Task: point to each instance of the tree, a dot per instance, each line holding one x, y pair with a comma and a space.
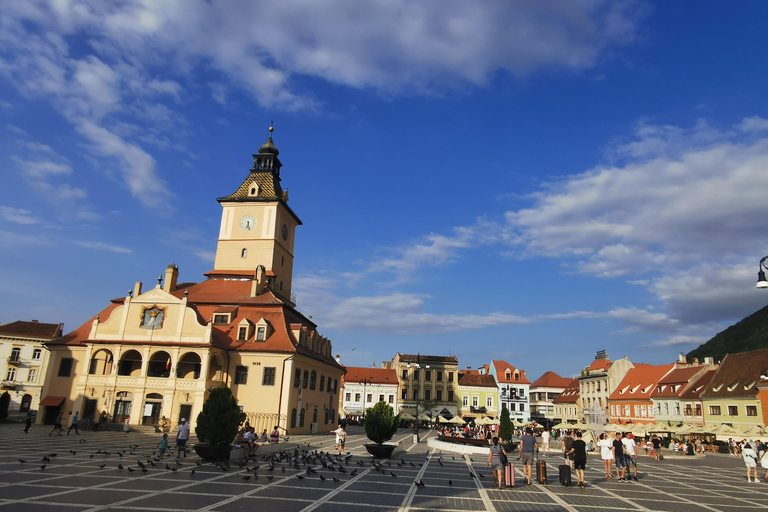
505, 424
220, 419
381, 423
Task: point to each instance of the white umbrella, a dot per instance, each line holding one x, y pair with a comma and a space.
407, 417
424, 417
486, 421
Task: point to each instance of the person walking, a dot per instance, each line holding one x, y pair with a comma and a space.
579, 452
73, 423
126, 425
341, 436
630, 453
27, 422
494, 456
181, 438
606, 454
750, 460
545, 442
656, 447
567, 445
162, 446
57, 424
528, 448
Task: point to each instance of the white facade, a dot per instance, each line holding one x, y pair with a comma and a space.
357, 396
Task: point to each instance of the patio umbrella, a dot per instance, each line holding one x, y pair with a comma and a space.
560, 426
455, 420
407, 417
424, 417
752, 431
725, 430
486, 421
660, 427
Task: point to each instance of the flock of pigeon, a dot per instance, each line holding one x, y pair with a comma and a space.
304, 461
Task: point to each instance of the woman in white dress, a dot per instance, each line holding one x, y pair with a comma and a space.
750, 459
606, 454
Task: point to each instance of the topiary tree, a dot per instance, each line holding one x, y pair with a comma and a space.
220, 419
505, 424
381, 423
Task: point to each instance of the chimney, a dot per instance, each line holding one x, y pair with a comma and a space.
137, 289
338, 358
695, 360
709, 361
682, 359
259, 281
171, 276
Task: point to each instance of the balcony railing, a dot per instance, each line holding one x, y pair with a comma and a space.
14, 360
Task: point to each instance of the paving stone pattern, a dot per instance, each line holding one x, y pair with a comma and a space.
74, 480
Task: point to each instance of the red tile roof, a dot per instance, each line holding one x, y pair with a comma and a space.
31, 329
600, 364
570, 394
477, 380
357, 374
501, 369
697, 388
738, 375
551, 380
640, 382
425, 359
676, 382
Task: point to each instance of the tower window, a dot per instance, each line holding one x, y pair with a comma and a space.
244, 253
253, 191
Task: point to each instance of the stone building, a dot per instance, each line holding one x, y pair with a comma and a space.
24, 360
363, 388
428, 384
156, 353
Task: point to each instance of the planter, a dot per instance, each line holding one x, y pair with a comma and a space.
381, 451
213, 452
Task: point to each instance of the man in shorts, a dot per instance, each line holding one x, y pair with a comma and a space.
528, 447
579, 452
181, 438
341, 436
656, 447
630, 449
618, 458
545, 442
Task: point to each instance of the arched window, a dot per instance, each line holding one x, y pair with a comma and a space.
313, 380
314, 416
130, 364
159, 365
244, 253
301, 418
188, 366
293, 418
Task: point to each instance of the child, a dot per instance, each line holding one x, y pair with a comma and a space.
163, 445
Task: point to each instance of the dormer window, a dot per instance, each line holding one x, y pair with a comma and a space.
261, 333
717, 388
254, 191
221, 319
263, 330
508, 375
517, 375
244, 330
732, 386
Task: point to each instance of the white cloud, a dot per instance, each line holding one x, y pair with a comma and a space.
753, 124
17, 215
41, 169
99, 246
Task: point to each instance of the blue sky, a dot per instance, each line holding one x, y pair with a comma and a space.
529, 181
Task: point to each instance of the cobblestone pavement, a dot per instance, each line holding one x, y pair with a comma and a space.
82, 477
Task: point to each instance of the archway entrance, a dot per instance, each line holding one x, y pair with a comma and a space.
123, 403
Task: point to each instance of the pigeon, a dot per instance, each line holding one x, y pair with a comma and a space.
271, 468
419, 483
22, 461
283, 469
178, 463
192, 472
353, 472
53, 454
120, 466
45, 459
42, 467
91, 455
131, 470
481, 475
174, 469
322, 478
144, 470
119, 454
300, 477
450, 482
336, 480
413, 465
270, 477
472, 475
102, 466
393, 475
167, 467
438, 461
247, 477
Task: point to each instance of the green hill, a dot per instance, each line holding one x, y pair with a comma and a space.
751, 333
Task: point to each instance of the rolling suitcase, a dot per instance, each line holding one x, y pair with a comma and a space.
509, 475
541, 471
565, 475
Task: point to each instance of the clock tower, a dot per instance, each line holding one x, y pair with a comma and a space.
258, 227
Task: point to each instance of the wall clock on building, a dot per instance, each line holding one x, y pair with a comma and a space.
285, 232
248, 222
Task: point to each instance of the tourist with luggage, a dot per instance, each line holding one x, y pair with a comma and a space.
495, 460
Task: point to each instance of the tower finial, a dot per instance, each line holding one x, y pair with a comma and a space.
271, 128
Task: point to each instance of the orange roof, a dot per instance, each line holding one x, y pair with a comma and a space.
551, 380
570, 394
501, 373
356, 374
675, 382
640, 382
600, 364
31, 329
477, 380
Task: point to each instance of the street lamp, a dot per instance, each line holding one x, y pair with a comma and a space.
365, 381
762, 282
418, 367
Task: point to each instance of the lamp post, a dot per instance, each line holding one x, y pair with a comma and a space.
762, 282
418, 401
365, 383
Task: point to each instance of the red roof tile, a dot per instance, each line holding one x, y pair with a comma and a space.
600, 364
570, 394
356, 374
551, 380
31, 329
501, 369
640, 382
697, 388
477, 380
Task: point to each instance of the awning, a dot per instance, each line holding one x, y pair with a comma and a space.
52, 401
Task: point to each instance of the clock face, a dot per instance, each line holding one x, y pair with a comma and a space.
247, 223
285, 232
